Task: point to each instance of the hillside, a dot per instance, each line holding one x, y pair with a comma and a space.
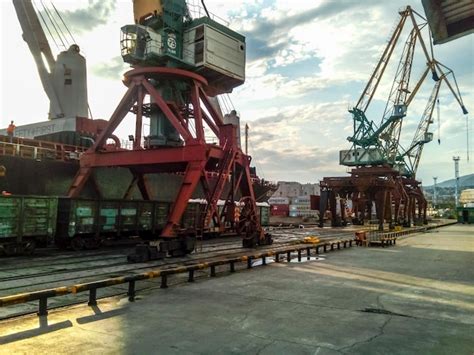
464, 182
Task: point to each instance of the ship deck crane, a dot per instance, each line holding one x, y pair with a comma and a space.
64, 79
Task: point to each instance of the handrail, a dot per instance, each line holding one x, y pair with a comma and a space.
53, 151
43, 295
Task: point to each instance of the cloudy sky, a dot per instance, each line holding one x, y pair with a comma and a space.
307, 63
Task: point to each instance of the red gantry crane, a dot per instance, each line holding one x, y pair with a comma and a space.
179, 62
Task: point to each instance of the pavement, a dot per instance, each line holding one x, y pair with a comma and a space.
413, 298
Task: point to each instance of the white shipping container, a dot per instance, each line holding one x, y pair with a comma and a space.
279, 201
301, 200
300, 207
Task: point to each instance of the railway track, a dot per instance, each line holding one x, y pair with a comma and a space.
61, 269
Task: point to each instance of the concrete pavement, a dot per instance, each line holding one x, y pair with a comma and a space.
416, 297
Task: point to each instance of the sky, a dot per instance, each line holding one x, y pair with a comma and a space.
307, 64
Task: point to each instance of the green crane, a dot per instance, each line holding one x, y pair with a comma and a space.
409, 159
166, 34
374, 144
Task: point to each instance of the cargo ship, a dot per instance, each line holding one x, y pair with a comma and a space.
45, 168
43, 158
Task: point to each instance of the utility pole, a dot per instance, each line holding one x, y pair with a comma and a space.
246, 139
435, 192
456, 175
467, 136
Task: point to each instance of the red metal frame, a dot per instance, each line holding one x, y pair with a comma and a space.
194, 158
381, 185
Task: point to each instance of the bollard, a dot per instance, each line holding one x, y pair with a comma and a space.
213, 271
43, 306
249, 263
164, 281
264, 260
288, 256
277, 257
191, 276
131, 291
232, 266
92, 297
308, 253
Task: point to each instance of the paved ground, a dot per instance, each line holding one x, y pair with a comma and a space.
417, 297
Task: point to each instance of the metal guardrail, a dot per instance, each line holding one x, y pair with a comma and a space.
43, 295
390, 237
51, 151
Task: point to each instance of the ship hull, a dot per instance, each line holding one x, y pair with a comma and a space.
53, 178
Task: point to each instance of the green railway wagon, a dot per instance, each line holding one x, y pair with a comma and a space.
83, 223
26, 221
192, 215
162, 210
78, 220
264, 213
465, 215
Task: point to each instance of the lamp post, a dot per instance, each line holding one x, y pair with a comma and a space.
456, 175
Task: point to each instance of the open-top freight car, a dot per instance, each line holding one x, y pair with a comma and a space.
26, 222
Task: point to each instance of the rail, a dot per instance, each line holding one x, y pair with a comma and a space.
39, 150
92, 287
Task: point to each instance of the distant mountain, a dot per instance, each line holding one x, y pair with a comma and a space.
464, 182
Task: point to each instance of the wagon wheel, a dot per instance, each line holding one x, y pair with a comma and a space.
30, 248
77, 243
91, 243
62, 243
9, 249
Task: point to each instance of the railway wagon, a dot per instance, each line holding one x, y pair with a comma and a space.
86, 223
26, 221
263, 213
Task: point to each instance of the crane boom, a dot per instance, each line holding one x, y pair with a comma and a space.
376, 76
412, 155
35, 37
422, 136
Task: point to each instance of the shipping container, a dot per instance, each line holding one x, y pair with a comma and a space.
280, 210
315, 202
279, 201
301, 200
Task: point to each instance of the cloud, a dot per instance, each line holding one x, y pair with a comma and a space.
97, 12
112, 69
297, 141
